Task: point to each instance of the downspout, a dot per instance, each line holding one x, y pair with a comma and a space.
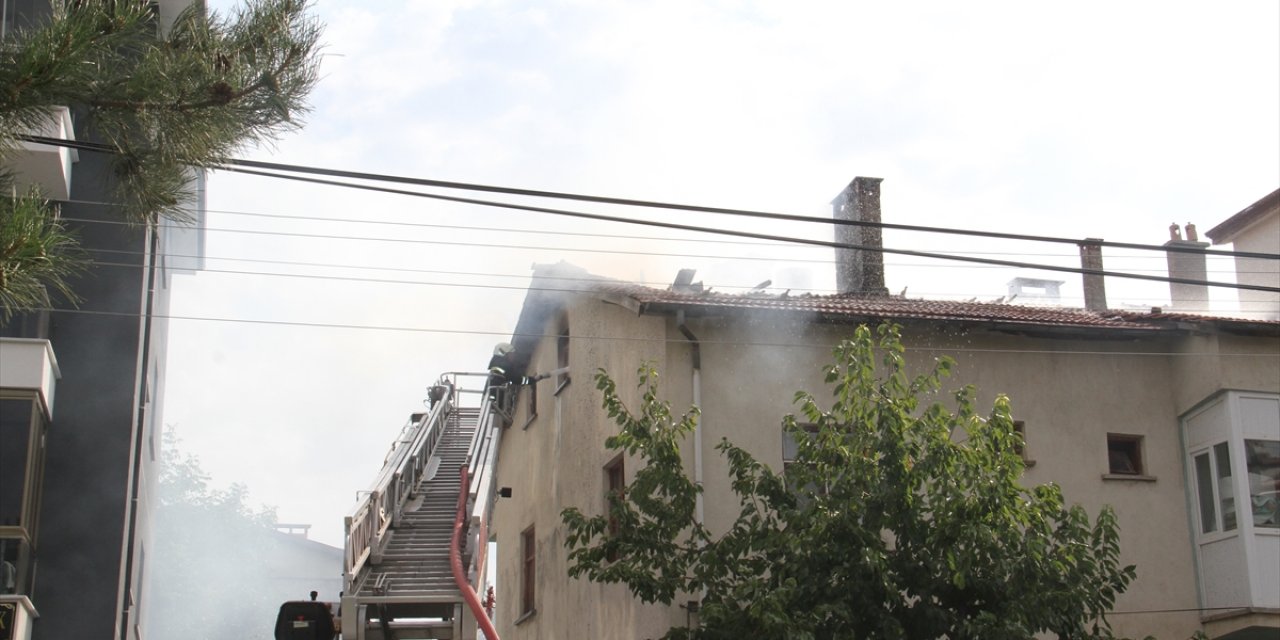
697, 402
128, 612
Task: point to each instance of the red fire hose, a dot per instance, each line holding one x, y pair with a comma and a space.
455, 560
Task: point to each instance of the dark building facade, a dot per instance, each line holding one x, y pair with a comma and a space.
80, 403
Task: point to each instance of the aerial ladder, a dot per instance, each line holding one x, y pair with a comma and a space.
415, 542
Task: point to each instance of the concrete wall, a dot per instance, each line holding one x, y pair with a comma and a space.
1070, 392
557, 461
1263, 237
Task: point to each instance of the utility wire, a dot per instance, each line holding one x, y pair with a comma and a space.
952, 295
765, 236
490, 245
797, 345
425, 225
543, 247
232, 164
982, 262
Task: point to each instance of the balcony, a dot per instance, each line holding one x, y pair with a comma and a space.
1233, 465
47, 166
29, 364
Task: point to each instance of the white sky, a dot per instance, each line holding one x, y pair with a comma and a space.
1080, 119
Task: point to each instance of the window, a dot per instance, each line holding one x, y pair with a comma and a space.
562, 354
15, 439
1124, 454
1213, 487
527, 571
531, 401
790, 451
1020, 448
615, 481
1262, 462
22, 442
16, 566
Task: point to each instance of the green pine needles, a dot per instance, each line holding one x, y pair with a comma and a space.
166, 100
901, 516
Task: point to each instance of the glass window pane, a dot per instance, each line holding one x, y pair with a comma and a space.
1226, 493
15, 567
1262, 462
1204, 487
15, 439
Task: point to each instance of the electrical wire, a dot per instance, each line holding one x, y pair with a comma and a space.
240, 166
764, 236
538, 248
557, 232
796, 345
955, 296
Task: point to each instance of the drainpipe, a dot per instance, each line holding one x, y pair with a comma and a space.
697, 402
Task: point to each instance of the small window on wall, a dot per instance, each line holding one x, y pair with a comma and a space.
1213, 489
562, 353
1020, 429
1262, 462
528, 570
531, 402
791, 451
1124, 455
615, 483
22, 454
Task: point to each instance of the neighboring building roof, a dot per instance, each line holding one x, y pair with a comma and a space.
1228, 229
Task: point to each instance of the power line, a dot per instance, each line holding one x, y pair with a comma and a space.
401, 329
469, 273
981, 263
425, 225
591, 235
474, 244
765, 236
233, 164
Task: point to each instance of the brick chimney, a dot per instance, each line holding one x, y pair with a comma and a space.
1095, 288
1193, 298
859, 271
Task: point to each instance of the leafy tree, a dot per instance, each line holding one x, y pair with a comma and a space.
898, 518
211, 545
160, 103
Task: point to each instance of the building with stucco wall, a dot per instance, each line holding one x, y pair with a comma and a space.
1167, 417
1255, 229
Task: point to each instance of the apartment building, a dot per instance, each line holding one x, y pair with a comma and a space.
81, 395
1171, 418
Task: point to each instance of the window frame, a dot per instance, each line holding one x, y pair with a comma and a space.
528, 573
32, 469
615, 483
530, 390
1253, 452
563, 343
811, 429
1020, 447
1212, 453
1137, 448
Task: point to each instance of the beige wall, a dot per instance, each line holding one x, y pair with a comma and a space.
558, 461
751, 368
1264, 237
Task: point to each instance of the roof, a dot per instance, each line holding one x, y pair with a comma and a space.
857, 308
1228, 229
553, 282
